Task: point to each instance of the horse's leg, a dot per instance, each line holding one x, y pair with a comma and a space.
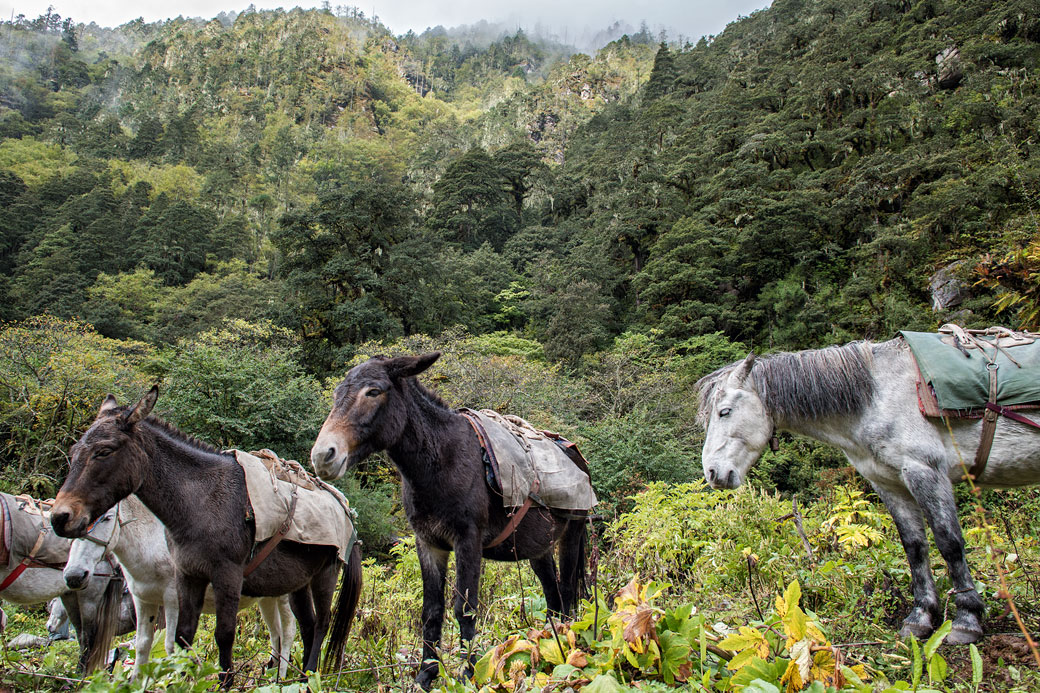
572, 565
271, 612
323, 587
146, 615
171, 614
303, 608
191, 593
923, 618
545, 569
468, 549
85, 616
227, 590
433, 564
934, 493
288, 634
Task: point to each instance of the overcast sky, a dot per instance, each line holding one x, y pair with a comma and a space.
690, 19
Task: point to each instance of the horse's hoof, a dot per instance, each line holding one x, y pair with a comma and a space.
426, 678
918, 630
963, 636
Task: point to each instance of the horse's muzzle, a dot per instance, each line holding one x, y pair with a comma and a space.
69, 524
76, 580
721, 479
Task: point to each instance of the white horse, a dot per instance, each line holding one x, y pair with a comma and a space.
862, 398
94, 611
136, 537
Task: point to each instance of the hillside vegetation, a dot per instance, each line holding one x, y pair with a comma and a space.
242, 208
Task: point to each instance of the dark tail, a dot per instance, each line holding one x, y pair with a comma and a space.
105, 626
343, 614
582, 586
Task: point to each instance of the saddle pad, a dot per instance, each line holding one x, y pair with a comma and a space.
959, 378
30, 517
524, 454
322, 513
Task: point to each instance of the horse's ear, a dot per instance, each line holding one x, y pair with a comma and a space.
108, 405
143, 407
408, 366
741, 372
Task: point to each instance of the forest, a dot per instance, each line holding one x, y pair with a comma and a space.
242, 208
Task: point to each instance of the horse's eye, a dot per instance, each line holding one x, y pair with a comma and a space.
724, 412
373, 392
103, 452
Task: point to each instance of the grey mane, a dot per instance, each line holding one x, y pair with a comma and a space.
801, 385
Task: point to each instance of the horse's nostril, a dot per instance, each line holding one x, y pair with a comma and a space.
730, 479
76, 580
329, 454
712, 474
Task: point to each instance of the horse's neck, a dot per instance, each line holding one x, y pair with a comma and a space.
420, 453
838, 431
181, 480
141, 547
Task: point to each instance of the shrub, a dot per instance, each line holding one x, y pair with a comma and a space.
240, 386
53, 376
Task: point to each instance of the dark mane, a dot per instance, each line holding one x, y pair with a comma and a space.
172, 431
428, 396
800, 385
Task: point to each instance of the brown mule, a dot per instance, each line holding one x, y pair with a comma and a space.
381, 406
199, 494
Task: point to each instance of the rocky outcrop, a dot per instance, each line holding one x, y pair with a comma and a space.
949, 68
947, 287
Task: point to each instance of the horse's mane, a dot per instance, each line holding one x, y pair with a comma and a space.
171, 431
800, 385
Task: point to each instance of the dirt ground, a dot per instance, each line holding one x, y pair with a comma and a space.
999, 652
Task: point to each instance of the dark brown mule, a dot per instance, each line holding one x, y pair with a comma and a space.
199, 494
380, 406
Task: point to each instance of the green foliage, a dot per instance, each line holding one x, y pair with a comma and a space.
53, 376
240, 386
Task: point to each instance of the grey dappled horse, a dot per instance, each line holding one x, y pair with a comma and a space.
862, 398
132, 533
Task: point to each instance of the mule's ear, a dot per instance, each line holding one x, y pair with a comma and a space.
143, 407
408, 366
741, 372
108, 405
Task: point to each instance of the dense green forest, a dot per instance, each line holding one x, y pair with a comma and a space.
241, 208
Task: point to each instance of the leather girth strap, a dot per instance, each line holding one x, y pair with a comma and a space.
515, 518
274, 540
25, 562
517, 515
989, 425
989, 428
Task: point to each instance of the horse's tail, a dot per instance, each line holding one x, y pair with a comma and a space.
105, 626
346, 608
582, 586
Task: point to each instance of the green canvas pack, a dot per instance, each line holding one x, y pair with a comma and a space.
956, 364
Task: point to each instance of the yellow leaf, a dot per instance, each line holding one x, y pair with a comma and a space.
741, 659
550, 651
795, 623
630, 593
578, 659
792, 595
792, 678
747, 638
